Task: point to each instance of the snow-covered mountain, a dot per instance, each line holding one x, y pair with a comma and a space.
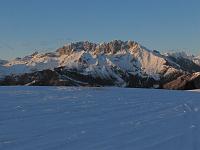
197, 60
118, 61
186, 62
178, 55
90, 58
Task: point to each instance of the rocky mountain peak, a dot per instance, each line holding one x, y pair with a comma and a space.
106, 47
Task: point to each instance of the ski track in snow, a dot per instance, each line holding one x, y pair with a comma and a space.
51, 118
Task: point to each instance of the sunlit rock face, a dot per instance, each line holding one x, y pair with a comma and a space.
185, 82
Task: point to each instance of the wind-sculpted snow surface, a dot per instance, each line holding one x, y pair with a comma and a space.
69, 118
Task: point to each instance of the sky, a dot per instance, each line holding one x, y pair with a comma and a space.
44, 25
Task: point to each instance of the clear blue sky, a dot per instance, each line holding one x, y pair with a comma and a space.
26, 25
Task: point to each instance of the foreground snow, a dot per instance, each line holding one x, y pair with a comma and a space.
60, 118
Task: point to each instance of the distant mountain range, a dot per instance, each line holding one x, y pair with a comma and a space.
116, 63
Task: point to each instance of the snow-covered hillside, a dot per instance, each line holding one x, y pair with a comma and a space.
197, 60
49, 118
32, 63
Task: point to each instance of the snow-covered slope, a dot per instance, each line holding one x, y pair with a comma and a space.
32, 63
197, 60
198, 90
188, 63
60, 118
179, 55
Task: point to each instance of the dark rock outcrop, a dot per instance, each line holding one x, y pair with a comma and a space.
68, 77
184, 82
